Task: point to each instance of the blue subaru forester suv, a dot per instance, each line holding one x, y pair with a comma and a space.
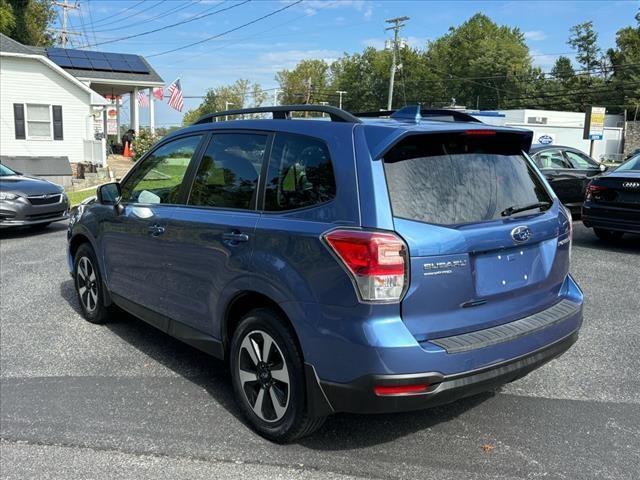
338, 263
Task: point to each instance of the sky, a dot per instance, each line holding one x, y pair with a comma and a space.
309, 29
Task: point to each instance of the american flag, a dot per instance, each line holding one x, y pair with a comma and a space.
175, 95
158, 93
143, 100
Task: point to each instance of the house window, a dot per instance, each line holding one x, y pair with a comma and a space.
39, 122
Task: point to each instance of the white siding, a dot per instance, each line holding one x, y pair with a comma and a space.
27, 80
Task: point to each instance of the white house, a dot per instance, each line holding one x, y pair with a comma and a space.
50, 111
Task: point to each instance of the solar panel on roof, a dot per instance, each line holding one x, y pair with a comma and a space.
61, 61
101, 61
83, 63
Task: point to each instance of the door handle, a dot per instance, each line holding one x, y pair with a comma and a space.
235, 237
155, 230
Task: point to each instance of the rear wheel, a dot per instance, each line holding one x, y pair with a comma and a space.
268, 377
607, 235
88, 283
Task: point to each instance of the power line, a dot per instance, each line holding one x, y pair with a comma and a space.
160, 15
110, 21
159, 29
270, 14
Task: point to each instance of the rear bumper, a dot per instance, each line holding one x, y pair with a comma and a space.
622, 219
359, 397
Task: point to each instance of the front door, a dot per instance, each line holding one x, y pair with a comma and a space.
211, 238
133, 236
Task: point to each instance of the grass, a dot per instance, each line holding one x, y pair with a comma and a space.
76, 197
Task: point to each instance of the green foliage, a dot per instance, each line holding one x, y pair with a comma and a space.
7, 19
143, 142
584, 40
28, 21
232, 96
477, 64
307, 83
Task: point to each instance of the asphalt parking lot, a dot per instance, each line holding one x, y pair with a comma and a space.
126, 401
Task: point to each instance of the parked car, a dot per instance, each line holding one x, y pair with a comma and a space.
612, 203
568, 171
30, 201
352, 265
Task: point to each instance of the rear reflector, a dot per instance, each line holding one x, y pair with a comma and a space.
391, 390
376, 261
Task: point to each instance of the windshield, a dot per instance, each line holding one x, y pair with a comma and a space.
453, 179
6, 171
632, 164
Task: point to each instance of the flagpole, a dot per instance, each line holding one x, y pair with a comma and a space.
152, 112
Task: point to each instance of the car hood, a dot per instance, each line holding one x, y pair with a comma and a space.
27, 186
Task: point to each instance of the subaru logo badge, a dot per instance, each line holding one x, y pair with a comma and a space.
521, 234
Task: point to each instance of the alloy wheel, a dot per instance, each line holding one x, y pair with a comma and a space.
264, 377
87, 284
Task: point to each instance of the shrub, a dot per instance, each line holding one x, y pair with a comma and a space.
143, 142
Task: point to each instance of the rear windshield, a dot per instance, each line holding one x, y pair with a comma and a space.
453, 179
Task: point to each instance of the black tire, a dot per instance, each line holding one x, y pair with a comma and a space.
607, 235
295, 422
91, 299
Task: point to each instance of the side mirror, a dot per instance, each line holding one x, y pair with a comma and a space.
603, 167
109, 193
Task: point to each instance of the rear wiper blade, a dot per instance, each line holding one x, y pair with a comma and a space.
523, 208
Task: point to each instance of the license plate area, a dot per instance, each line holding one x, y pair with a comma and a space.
509, 269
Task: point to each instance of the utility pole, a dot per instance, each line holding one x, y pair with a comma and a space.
340, 92
64, 33
275, 96
397, 25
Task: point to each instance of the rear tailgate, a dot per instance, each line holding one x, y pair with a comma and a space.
471, 265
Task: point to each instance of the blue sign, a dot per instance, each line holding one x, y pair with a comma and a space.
545, 139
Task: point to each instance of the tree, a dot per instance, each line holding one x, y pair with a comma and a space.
563, 71
625, 61
307, 83
31, 21
226, 97
584, 40
479, 63
7, 19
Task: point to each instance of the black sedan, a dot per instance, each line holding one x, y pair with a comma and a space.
30, 201
568, 170
612, 204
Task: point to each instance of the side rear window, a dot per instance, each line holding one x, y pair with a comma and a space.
455, 179
300, 173
228, 173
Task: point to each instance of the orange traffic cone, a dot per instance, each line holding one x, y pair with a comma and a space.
126, 152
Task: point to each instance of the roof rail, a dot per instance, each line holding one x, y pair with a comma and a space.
283, 112
428, 114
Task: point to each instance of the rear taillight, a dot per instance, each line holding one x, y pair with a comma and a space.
594, 192
376, 261
400, 390
479, 133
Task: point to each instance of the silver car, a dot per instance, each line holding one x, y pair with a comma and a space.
30, 201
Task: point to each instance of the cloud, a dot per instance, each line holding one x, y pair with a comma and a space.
289, 58
542, 60
535, 35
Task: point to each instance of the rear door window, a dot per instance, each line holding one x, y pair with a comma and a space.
228, 173
450, 180
300, 173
